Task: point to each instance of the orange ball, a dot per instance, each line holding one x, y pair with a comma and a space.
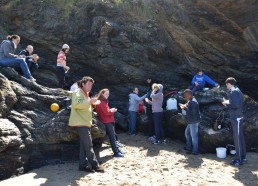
54, 107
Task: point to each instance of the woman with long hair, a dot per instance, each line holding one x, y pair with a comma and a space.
106, 116
9, 59
81, 120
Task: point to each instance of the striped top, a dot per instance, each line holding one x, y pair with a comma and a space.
61, 59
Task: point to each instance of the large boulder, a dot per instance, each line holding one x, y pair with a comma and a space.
31, 135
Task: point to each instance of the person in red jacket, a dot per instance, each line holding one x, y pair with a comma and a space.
106, 116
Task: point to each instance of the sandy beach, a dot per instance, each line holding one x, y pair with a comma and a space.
146, 164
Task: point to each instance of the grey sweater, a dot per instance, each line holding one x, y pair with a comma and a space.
7, 49
134, 101
157, 100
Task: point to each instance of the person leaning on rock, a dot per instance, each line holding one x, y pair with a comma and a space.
81, 120
9, 59
235, 109
61, 66
31, 59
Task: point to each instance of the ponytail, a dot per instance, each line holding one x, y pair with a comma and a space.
11, 37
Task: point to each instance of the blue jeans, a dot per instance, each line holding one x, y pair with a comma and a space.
195, 88
110, 131
191, 135
157, 120
16, 62
132, 122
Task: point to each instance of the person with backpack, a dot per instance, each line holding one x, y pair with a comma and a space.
199, 81
106, 116
9, 59
192, 116
235, 109
61, 66
134, 101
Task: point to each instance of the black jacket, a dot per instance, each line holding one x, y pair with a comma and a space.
235, 106
27, 54
192, 112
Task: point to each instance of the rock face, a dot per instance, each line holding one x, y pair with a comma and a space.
30, 134
120, 44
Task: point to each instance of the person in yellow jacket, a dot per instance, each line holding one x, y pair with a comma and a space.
81, 120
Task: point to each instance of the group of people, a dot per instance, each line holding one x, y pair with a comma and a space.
83, 105
25, 61
191, 113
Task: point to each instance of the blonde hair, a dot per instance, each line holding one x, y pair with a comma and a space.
155, 85
100, 94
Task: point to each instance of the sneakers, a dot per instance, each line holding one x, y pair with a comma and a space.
121, 151
118, 144
236, 162
32, 79
118, 155
156, 142
86, 169
98, 169
152, 138
164, 141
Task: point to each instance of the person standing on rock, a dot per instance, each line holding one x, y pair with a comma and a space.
157, 111
106, 116
134, 101
61, 67
81, 120
31, 59
199, 81
9, 59
235, 109
193, 117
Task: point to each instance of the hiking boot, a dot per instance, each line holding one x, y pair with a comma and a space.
86, 169
156, 142
118, 155
98, 168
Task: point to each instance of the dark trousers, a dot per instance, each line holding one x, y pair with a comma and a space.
86, 148
239, 140
151, 129
157, 120
110, 131
195, 88
60, 72
32, 66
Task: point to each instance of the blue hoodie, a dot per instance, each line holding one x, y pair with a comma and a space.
157, 100
134, 101
203, 79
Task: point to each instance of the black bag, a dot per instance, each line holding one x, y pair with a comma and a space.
218, 124
231, 150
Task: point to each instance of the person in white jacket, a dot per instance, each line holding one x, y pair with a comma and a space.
134, 101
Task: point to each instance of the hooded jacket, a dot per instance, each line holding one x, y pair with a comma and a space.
235, 106
134, 101
7, 49
157, 100
202, 80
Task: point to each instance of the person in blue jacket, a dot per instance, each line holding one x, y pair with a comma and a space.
199, 81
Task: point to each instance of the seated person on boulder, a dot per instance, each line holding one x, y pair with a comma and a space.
31, 59
199, 81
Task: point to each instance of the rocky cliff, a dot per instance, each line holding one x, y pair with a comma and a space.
119, 44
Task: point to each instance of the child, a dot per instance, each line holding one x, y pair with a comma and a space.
192, 119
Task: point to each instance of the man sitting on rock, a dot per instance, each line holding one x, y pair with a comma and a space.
31, 59
199, 81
